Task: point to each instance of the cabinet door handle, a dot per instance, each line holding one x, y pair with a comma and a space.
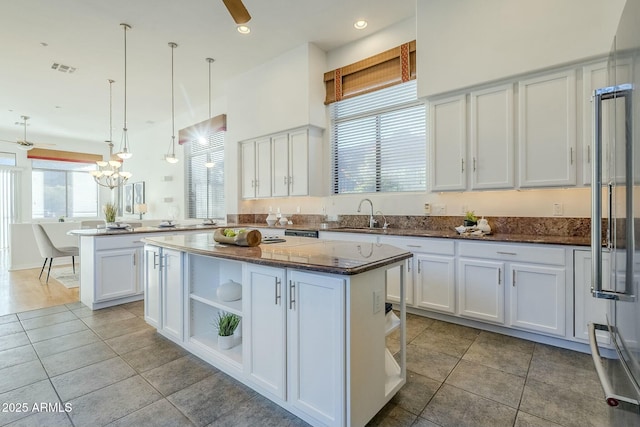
277, 291
291, 180
155, 260
461, 165
588, 154
506, 253
414, 246
513, 278
474, 164
419, 263
285, 180
292, 294
253, 183
409, 266
499, 276
134, 258
571, 154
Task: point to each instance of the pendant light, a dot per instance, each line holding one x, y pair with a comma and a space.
209, 163
109, 173
125, 151
171, 155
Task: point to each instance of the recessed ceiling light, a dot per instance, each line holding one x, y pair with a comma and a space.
360, 24
243, 29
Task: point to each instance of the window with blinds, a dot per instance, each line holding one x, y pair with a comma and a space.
378, 141
205, 185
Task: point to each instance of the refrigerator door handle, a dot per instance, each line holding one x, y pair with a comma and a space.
612, 398
607, 93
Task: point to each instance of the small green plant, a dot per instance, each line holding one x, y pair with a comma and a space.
226, 323
471, 216
110, 211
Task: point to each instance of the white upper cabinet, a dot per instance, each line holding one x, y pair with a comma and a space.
256, 168
448, 142
284, 164
491, 138
547, 130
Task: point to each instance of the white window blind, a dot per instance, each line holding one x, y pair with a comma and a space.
378, 142
205, 186
9, 202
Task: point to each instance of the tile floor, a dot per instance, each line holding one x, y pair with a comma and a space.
112, 369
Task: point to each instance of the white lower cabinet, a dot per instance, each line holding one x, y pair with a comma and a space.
531, 277
435, 282
264, 294
393, 282
538, 298
481, 289
152, 295
172, 319
164, 295
117, 273
294, 348
588, 309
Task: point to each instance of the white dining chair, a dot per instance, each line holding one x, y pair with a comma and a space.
49, 251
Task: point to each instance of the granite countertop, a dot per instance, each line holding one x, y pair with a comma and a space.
146, 229
443, 234
302, 253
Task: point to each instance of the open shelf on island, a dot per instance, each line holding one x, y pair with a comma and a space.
393, 373
203, 334
234, 307
392, 322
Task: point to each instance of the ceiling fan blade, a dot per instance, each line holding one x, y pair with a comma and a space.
237, 10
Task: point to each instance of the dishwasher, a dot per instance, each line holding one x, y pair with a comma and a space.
301, 233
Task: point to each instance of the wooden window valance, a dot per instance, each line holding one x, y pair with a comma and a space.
62, 156
394, 66
203, 129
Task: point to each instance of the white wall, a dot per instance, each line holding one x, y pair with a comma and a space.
462, 43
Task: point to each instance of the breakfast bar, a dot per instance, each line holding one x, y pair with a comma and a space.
314, 323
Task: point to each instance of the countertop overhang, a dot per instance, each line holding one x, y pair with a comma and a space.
304, 253
137, 230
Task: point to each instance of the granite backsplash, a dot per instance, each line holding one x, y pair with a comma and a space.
543, 226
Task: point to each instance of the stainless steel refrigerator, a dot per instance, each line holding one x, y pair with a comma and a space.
615, 227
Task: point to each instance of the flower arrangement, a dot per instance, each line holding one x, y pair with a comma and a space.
110, 210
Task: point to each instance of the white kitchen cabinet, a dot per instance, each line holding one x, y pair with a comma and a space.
264, 293
435, 282
491, 137
588, 309
117, 273
290, 159
172, 318
537, 296
448, 143
152, 290
547, 130
481, 289
283, 164
256, 168
393, 282
316, 347
596, 76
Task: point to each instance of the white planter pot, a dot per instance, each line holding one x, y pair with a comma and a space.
225, 343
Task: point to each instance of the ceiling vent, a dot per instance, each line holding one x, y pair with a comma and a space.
63, 68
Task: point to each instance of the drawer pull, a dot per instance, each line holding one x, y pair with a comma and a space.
277, 291
292, 294
513, 279
499, 276
414, 246
506, 253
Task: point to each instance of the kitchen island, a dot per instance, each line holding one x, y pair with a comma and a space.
111, 262
314, 327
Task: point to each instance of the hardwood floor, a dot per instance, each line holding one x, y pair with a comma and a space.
22, 290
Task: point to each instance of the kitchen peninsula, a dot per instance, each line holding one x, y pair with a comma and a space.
314, 325
111, 262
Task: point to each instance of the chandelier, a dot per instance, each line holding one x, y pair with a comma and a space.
109, 173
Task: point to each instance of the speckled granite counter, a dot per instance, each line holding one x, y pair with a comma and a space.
443, 234
297, 252
96, 232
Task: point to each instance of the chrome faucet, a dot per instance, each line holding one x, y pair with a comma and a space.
372, 220
386, 224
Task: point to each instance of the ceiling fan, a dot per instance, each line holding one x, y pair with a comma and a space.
237, 10
24, 143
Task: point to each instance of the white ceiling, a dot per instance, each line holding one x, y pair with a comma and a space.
86, 34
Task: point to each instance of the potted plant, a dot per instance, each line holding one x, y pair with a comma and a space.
110, 211
226, 324
470, 219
